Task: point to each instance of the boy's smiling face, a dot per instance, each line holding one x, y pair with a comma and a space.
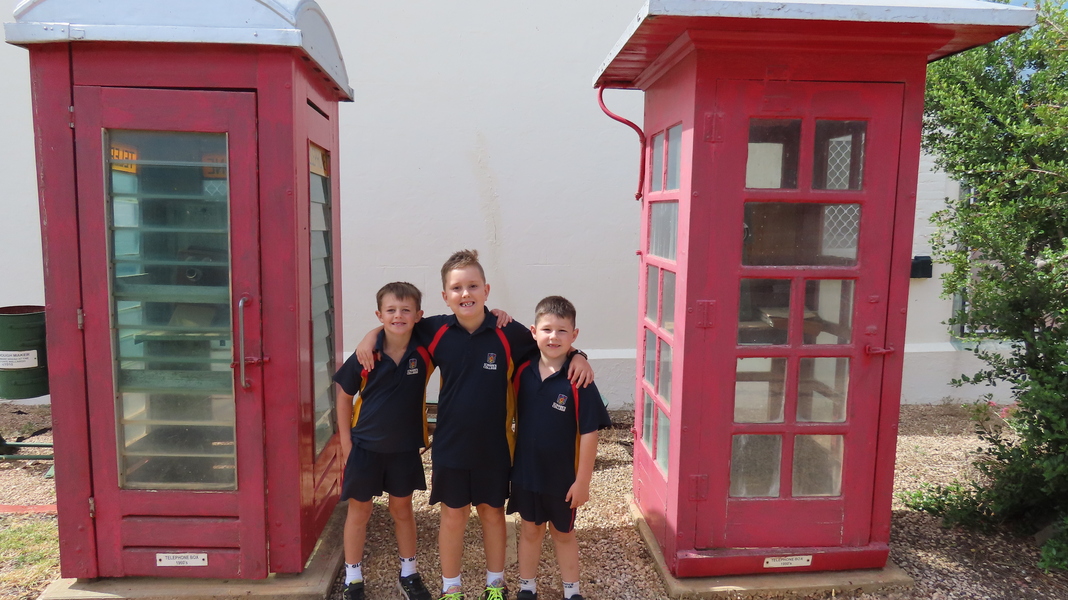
466, 292
555, 335
398, 316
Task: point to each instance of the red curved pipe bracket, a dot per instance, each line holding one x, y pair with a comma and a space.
641, 138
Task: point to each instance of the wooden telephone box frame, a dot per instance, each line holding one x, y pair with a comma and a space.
280, 106
719, 487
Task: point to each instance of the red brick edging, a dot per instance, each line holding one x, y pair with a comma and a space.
23, 510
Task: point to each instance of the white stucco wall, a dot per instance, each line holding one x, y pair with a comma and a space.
21, 278
932, 358
475, 126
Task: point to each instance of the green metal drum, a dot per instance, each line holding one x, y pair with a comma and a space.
23, 356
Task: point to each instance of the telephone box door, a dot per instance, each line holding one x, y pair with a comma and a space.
170, 260
807, 172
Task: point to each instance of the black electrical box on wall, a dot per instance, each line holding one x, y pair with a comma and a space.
921, 267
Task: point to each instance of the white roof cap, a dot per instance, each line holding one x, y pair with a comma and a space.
294, 23
968, 19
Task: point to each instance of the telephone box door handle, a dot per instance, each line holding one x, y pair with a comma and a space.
245, 300
870, 350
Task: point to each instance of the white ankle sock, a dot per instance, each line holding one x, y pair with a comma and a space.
408, 566
492, 578
570, 589
353, 572
448, 582
528, 584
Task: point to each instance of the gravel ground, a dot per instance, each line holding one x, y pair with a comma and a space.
934, 446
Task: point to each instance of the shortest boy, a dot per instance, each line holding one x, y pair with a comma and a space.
388, 429
556, 445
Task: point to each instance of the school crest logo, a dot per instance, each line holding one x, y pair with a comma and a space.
561, 403
413, 366
491, 362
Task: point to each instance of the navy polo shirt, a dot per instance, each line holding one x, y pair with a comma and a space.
553, 415
389, 412
476, 405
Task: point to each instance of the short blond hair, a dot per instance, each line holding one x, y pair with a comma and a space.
461, 260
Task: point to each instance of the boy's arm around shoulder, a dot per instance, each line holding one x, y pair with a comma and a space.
365, 350
580, 372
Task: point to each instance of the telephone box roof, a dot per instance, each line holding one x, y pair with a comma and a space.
966, 23
293, 23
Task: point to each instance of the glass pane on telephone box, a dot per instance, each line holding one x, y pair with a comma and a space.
168, 202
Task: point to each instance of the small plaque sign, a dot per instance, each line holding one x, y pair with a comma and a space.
182, 560
22, 359
779, 562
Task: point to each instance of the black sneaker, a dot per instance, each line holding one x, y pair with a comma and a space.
526, 595
353, 591
575, 597
412, 587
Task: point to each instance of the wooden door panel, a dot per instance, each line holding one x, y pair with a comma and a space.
848, 225
140, 222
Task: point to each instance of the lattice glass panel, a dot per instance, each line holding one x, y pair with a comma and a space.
841, 227
838, 160
838, 154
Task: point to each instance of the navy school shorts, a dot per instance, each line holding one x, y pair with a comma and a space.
456, 488
369, 474
540, 508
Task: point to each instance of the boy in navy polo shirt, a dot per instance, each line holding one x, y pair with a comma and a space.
388, 422
555, 448
474, 438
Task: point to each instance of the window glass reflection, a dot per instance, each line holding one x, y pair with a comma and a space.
656, 175
774, 146
667, 309
759, 390
755, 465
764, 311
823, 386
674, 164
664, 229
828, 311
787, 234
817, 469
652, 285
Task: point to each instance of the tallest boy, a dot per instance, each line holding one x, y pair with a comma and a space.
474, 438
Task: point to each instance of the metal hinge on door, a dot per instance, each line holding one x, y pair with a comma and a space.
92, 507
706, 314
81, 319
71, 110
713, 127
698, 487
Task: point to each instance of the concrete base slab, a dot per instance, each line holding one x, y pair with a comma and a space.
315, 583
777, 585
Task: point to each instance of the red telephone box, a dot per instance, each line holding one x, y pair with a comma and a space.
187, 160
777, 218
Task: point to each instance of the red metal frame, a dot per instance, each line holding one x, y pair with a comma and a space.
300, 490
712, 85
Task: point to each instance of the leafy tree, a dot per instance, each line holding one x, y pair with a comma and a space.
996, 119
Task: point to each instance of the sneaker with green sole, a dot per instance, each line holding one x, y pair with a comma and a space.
495, 591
